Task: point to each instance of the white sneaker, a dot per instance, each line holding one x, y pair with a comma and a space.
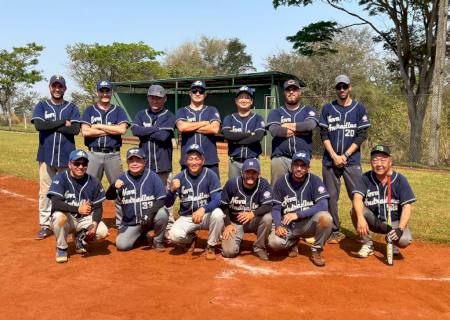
365, 251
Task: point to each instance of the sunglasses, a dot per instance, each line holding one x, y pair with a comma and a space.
342, 86
78, 164
195, 91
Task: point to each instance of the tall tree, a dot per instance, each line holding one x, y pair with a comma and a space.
115, 62
17, 69
411, 38
185, 61
236, 59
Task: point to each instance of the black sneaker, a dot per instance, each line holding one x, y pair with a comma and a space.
80, 244
43, 233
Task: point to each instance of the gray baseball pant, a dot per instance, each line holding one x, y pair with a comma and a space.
332, 180
261, 225
128, 235
183, 230
279, 167
234, 169
317, 226
46, 174
64, 224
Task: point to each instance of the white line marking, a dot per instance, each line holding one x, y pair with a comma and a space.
13, 194
252, 269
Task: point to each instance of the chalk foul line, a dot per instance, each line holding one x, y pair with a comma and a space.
17, 195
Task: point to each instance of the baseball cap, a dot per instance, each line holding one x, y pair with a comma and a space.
156, 90
342, 79
302, 155
245, 89
251, 164
198, 84
78, 154
379, 148
57, 78
195, 148
104, 84
135, 152
291, 83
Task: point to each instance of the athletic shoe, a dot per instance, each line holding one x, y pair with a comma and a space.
79, 246
365, 251
61, 255
396, 250
210, 253
293, 251
336, 237
159, 247
43, 233
193, 245
317, 258
262, 254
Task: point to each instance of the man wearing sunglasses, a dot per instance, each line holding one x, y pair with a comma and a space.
343, 128
198, 124
291, 126
76, 199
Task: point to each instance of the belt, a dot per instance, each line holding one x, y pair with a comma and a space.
104, 150
241, 160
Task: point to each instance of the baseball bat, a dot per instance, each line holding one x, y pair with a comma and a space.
389, 245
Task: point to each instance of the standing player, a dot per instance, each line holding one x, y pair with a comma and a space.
142, 195
300, 210
199, 191
343, 128
291, 127
247, 204
103, 125
57, 121
370, 203
76, 199
244, 131
198, 124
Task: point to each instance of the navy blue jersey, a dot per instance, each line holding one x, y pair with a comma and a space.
287, 147
375, 194
55, 147
157, 144
75, 191
342, 124
113, 116
251, 123
195, 191
290, 196
239, 199
138, 194
207, 142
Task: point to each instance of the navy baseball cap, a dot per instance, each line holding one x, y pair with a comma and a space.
78, 154
251, 164
342, 79
135, 152
104, 84
302, 155
195, 148
245, 89
379, 148
58, 79
156, 90
291, 83
198, 84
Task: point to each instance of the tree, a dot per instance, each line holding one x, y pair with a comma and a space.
236, 60
115, 62
411, 38
16, 70
82, 100
185, 61
23, 103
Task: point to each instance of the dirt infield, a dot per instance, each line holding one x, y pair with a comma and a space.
143, 284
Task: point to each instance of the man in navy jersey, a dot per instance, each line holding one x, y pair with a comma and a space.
103, 125
57, 121
291, 126
244, 131
76, 199
300, 210
343, 128
370, 203
198, 123
199, 189
247, 204
141, 193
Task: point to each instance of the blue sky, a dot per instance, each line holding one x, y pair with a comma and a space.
164, 25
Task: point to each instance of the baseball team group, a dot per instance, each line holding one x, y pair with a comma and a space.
296, 204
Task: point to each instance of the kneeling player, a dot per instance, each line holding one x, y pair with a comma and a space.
247, 203
370, 203
76, 206
199, 191
300, 210
141, 194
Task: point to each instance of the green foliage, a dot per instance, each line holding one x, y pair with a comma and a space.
236, 60
315, 39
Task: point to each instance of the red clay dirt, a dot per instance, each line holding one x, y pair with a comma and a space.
144, 284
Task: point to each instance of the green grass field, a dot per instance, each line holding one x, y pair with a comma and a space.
431, 213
